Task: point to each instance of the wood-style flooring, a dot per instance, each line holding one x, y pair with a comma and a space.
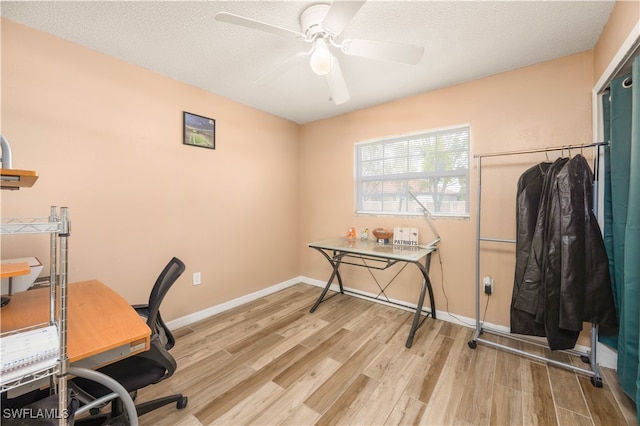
272, 362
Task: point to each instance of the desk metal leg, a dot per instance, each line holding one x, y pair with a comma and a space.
426, 285
335, 263
6, 299
427, 265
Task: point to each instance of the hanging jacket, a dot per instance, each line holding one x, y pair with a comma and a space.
563, 225
529, 297
586, 291
565, 278
528, 196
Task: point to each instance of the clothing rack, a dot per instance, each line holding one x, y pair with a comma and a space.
588, 357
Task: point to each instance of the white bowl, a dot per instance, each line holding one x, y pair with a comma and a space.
22, 282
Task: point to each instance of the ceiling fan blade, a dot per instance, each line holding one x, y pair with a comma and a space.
337, 85
257, 25
281, 68
340, 14
384, 51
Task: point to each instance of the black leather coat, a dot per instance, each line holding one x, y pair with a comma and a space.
525, 298
562, 276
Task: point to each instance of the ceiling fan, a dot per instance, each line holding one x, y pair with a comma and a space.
321, 26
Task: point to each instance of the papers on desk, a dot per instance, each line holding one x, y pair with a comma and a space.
28, 352
433, 245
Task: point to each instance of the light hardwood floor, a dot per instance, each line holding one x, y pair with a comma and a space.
272, 362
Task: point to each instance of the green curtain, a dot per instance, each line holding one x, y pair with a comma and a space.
622, 221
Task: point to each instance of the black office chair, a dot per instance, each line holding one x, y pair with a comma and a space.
147, 368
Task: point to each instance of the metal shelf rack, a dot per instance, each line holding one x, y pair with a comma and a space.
58, 226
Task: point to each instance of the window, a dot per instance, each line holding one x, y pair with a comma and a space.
433, 165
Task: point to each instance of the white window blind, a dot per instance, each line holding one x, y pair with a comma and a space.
433, 165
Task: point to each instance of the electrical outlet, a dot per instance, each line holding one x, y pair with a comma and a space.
197, 278
488, 285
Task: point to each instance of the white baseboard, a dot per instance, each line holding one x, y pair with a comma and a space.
606, 357
206, 313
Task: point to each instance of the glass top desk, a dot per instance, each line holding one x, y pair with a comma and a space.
357, 252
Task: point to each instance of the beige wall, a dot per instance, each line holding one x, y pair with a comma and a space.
106, 140
624, 17
105, 137
543, 105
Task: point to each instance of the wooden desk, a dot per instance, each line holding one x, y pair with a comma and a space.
100, 323
16, 179
9, 270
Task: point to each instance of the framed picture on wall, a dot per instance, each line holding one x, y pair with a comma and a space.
199, 131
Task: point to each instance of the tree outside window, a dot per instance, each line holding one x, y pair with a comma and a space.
433, 166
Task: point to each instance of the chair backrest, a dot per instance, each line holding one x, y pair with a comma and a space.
165, 280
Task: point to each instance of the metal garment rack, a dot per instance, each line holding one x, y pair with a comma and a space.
589, 357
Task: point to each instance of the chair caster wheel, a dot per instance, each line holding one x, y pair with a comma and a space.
472, 344
585, 359
182, 403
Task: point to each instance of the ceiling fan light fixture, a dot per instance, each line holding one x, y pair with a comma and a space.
321, 60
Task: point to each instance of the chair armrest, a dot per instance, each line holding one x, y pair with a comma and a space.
143, 311
160, 355
171, 341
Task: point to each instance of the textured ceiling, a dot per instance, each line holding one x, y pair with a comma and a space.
463, 41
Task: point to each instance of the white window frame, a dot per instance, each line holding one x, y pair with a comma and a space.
401, 199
